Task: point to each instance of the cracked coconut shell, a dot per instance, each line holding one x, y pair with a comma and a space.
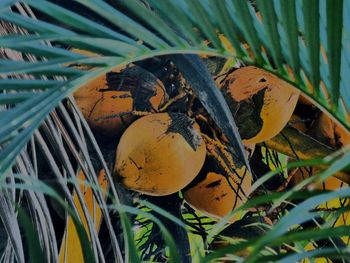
107, 101
160, 154
260, 102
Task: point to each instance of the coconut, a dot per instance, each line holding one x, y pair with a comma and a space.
160, 154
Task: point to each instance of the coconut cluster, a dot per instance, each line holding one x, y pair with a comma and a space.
161, 153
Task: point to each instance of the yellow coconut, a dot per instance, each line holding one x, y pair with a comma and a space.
107, 101
261, 103
215, 194
160, 154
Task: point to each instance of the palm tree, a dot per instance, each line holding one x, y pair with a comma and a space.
304, 42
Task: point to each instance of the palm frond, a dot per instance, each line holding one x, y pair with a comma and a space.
62, 145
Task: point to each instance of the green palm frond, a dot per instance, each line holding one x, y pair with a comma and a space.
44, 175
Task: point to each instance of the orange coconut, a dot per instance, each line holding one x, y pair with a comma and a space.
215, 194
107, 101
301, 173
160, 154
325, 130
261, 103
